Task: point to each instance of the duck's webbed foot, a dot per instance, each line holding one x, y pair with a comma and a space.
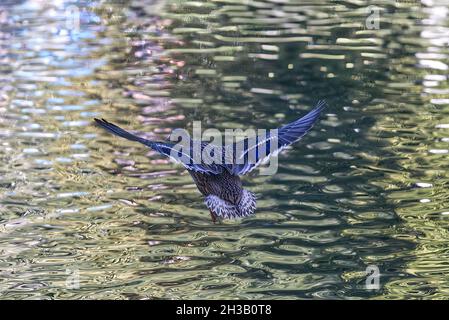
213, 216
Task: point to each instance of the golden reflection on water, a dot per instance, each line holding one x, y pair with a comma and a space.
367, 186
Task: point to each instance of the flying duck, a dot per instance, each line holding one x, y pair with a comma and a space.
220, 182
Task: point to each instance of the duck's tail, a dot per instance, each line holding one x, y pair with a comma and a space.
227, 210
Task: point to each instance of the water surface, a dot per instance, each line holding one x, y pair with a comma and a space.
368, 186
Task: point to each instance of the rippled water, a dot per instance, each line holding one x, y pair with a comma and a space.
368, 186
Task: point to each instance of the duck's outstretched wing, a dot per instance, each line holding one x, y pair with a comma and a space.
258, 149
176, 153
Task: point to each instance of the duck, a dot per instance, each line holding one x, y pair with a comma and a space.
220, 181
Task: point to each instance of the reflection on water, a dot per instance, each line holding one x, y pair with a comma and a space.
367, 187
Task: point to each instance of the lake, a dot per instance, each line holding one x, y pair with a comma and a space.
87, 215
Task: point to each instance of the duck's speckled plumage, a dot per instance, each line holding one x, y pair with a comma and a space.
224, 193
220, 184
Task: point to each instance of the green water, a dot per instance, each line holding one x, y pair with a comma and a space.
368, 186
